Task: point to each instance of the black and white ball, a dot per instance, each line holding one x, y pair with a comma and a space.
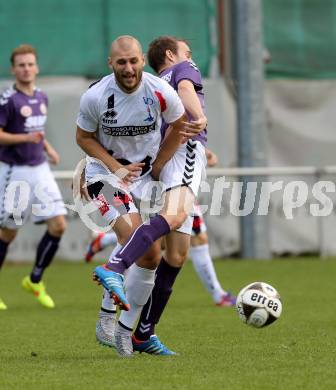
259, 304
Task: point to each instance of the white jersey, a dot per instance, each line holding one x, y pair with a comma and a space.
128, 124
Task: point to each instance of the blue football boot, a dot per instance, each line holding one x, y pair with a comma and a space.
114, 283
152, 346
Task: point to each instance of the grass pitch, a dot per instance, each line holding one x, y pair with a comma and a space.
56, 349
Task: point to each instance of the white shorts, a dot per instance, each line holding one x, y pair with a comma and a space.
27, 191
113, 200
185, 168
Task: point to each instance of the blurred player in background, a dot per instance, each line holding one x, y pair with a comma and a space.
199, 251
23, 151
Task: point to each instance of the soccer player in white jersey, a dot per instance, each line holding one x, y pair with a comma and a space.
181, 176
23, 165
119, 125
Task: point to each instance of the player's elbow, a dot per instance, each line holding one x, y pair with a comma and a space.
2, 137
179, 123
80, 137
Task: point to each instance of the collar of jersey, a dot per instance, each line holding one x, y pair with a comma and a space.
19, 90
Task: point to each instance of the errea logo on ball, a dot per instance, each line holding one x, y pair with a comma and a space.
255, 297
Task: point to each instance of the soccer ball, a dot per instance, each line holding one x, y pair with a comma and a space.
259, 304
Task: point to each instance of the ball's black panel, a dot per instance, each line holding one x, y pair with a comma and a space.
255, 286
248, 310
269, 320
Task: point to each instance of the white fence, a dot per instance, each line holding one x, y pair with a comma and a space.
255, 171
303, 233
299, 234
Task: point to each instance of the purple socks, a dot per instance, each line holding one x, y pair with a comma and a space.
137, 245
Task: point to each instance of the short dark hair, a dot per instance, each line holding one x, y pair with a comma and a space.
22, 49
156, 53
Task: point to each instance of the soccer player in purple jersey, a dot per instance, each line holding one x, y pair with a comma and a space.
27, 186
171, 59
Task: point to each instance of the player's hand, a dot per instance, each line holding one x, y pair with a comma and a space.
193, 128
83, 192
212, 158
53, 156
128, 173
35, 137
79, 185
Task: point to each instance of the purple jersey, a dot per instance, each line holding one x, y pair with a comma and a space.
20, 114
187, 70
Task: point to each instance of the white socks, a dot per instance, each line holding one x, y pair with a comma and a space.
107, 304
108, 239
107, 301
203, 265
139, 285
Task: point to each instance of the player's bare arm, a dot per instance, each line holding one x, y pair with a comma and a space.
13, 139
190, 100
53, 156
211, 157
88, 142
169, 146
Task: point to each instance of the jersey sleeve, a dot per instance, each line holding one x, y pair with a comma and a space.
6, 107
170, 103
187, 70
88, 116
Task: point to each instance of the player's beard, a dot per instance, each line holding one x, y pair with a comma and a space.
129, 87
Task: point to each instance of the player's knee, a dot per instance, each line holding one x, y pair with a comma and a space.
57, 227
122, 237
180, 219
123, 228
177, 258
7, 235
199, 239
176, 221
148, 262
151, 258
